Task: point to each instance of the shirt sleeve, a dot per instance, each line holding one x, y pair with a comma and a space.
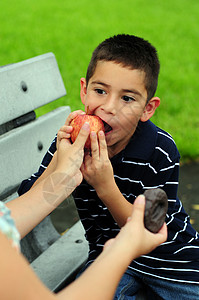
7, 226
28, 183
165, 168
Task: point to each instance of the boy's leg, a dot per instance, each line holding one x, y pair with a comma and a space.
127, 288
155, 288
172, 290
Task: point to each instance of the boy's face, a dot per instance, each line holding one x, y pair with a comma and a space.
118, 96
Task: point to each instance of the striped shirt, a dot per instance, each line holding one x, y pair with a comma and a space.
150, 160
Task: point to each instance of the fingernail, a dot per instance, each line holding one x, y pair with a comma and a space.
101, 133
93, 133
86, 126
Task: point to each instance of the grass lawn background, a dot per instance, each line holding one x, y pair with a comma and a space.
71, 30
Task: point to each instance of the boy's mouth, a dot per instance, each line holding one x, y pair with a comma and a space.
107, 127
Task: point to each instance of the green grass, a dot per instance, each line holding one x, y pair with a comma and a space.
71, 30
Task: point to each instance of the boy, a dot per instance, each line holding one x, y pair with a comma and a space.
119, 87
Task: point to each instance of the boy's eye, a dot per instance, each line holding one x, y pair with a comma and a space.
128, 99
100, 91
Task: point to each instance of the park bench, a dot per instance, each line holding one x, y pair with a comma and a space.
24, 139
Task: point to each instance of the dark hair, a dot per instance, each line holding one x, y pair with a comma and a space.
130, 51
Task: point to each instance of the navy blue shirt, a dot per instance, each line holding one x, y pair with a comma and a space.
150, 160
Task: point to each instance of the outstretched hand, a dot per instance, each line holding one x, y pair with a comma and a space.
66, 129
134, 239
70, 156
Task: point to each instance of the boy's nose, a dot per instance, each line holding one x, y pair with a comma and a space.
110, 105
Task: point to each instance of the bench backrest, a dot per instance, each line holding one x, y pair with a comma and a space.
24, 87
24, 139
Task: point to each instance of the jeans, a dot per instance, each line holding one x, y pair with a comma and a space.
155, 288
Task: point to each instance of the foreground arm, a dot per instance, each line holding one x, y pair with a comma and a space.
99, 281
32, 207
18, 282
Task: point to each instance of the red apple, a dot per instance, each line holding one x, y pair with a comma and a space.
96, 124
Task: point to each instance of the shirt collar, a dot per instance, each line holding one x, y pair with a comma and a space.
141, 144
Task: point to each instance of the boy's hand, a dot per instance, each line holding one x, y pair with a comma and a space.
97, 169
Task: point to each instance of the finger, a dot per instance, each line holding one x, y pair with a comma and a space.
103, 145
66, 128
87, 160
63, 142
163, 231
85, 167
62, 134
160, 237
82, 136
94, 146
72, 115
82, 168
138, 209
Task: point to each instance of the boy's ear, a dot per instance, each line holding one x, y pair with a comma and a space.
83, 90
150, 109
